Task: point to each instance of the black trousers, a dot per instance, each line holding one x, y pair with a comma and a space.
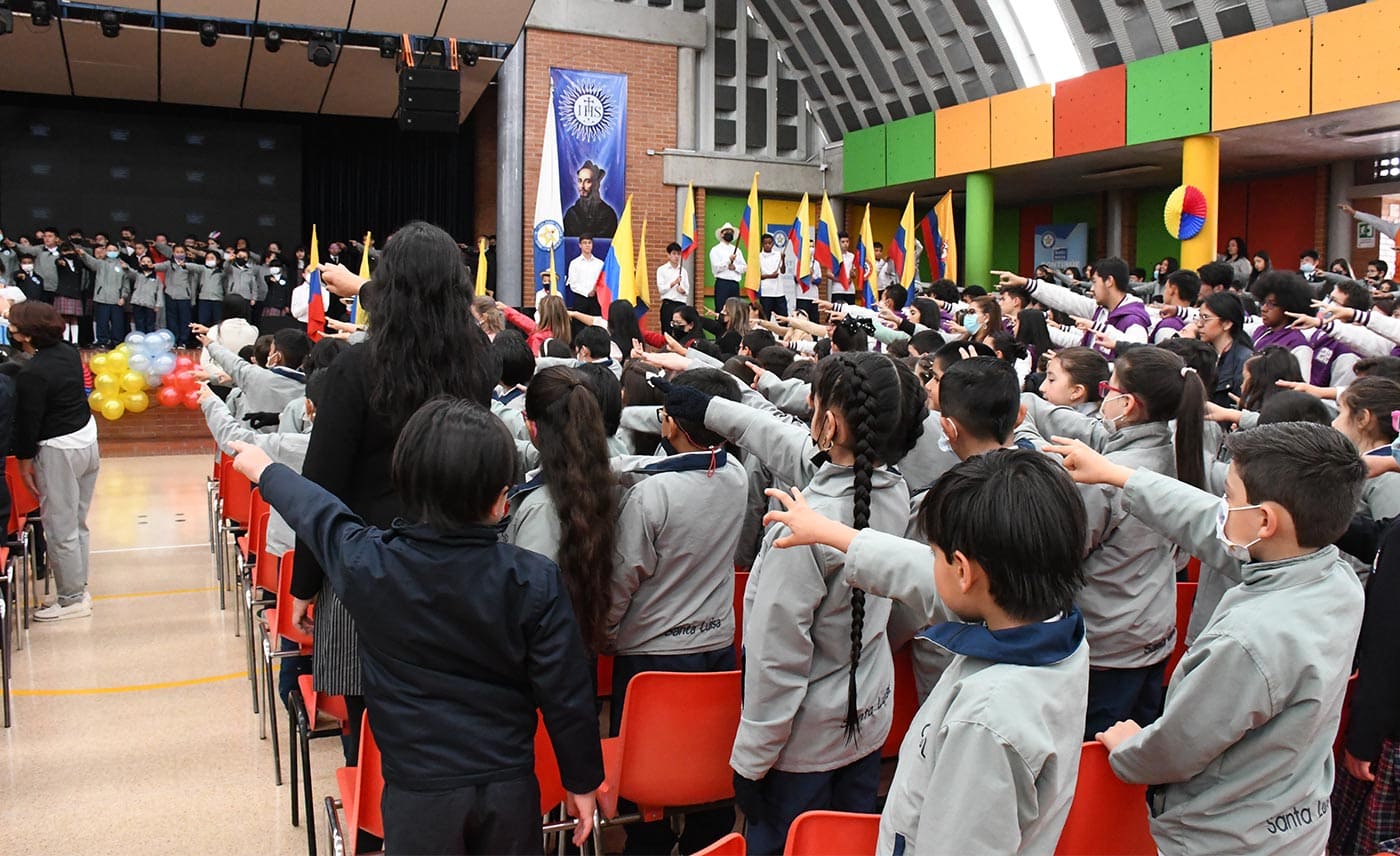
587, 304
1119, 694
496, 818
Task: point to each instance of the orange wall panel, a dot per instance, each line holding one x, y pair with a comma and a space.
1091, 112
1023, 126
1350, 67
963, 138
1260, 77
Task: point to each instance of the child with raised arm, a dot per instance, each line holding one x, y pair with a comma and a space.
462, 638
990, 762
1241, 757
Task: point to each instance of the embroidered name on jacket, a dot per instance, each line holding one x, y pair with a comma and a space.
694, 628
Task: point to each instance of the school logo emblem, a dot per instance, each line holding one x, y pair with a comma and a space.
548, 234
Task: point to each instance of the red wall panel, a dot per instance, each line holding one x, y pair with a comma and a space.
1091, 112
1234, 212
1282, 217
1032, 216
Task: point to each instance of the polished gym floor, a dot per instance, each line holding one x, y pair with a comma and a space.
133, 730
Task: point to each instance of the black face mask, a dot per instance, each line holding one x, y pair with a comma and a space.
678, 330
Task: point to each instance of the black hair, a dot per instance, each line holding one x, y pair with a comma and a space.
739, 367
451, 463
926, 341
775, 358
637, 391
596, 340
1254, 273
1310, 253
1287, 288
802, 370
1243, 251
1227, 306
1113, 268
896, 294
623, 326
687, 314
1167, 389
607, 390
573, 444
714, 383
315, 385
246, 353
756, 340
1378, 396
945, 290
1187, 282
424, 341
1140, 273
1198, 354
1020, 292
556, 348
1032, 331
1019, 516
708, 348
234, 306
517, 362
293, 347
1290, 405
1313, 471
1379, 265
1385, 366
673, 247
930, 315
1358, 296
983, 395
1216, 274
323, 354
952, 352
848, 338
1267, 367
974, 291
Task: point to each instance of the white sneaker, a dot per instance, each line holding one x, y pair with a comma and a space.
81, 609
52, 598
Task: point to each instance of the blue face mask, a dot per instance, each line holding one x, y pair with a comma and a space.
1306, 268
972, 323
111, 254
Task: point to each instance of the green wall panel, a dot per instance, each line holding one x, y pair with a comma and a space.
909, 149
1169, 96
1078, 209
1006, 239
1153, 241
863, 164
719, 209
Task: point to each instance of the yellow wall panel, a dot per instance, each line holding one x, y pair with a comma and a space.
962, 139
784, 211
1023, 124
1350, 67
1261, 77
883, 223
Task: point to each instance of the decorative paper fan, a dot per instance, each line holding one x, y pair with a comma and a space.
1185, 213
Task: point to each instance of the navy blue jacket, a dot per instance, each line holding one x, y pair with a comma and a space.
461, 639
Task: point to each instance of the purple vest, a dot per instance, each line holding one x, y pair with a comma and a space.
1173, 323
1326, 350
1126, 314
1283, 337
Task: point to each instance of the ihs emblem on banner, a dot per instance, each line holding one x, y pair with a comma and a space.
586, 111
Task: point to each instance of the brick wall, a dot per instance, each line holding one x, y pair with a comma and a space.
484, 122
651, 124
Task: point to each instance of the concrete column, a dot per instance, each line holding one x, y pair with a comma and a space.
510, 177
1113, 224
1341, 228
1200, 167
977, 240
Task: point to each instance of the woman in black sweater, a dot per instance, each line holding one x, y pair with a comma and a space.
423, 343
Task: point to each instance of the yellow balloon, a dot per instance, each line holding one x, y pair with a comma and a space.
137, 401
123, 348
98, 364
133, 382
116, 363
112, 409
107, 384
96, 400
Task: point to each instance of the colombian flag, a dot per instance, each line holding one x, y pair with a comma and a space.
940, 242
687, 225
902, 247
618, 275
749, 235
316, 302
865, 262
801, 249
358, 315
641, 277
827, 247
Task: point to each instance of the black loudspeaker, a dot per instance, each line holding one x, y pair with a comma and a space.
430, 99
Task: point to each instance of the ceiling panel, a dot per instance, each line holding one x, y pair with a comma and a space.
242, 10
364, 84
32, 59
484, 20
418, 17
475, 79
124, 67
285, 81
330, 14
190, 73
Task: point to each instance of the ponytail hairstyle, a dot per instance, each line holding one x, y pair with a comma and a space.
553, 315
736, 312
1169, 389
867, 393
992, 310
573, 446
1375, 395
1263, 371
1086, 367
623, 327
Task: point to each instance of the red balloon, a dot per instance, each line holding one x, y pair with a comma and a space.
186, 381
183, 363
168, 396
192, 400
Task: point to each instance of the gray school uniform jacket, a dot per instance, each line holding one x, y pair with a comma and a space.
673, 571
210, 282
145, 290
991, 759
109, 278
792, 396
293, 418
181, 281
289, 449
46, 266
1129, 598
534, 519
928, 459
797, 643
1242, 756
246, 282
609, 363
264, 390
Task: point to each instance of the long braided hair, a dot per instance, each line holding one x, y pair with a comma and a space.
867, 390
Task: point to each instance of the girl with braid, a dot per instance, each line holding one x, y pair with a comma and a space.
818, 678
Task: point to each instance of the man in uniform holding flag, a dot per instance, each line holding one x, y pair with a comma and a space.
727, 262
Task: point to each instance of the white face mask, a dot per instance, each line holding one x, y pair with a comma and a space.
1239, 552
1111, 422
211, 264
27, 268
275, 271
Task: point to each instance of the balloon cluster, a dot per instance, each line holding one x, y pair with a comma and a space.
145, 361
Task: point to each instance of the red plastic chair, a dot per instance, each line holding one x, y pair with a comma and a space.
741, 585
20, 539
361, 789
1108, 816
1185, 599
604, 675
732, 844
6, 616
667, 716
275, 625
1340, 743
306, 704
552, 792
832, 833
235, 507
906, 701
211, 490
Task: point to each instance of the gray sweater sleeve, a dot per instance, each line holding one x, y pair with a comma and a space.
1181, 513
786, 449
634, 554
886, 565
1385, 227
790, 396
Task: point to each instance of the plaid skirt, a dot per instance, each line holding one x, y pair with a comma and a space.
68, 305
269, 312
1366, 815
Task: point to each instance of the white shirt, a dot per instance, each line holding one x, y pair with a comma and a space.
301, 300
583, 275
673, 283
888, 275
720, 256
848, 263
769, 263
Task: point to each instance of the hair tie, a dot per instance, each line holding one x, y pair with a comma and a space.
1185, 369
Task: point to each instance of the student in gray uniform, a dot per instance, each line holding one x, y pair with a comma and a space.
182, 283
245, 279
266, 390
209, 308
1241, 759
566, 424
145, 295
672, 597
592, 346
110, 292
990, 761
1364, 416
818, 678
1129, 599
517, 368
